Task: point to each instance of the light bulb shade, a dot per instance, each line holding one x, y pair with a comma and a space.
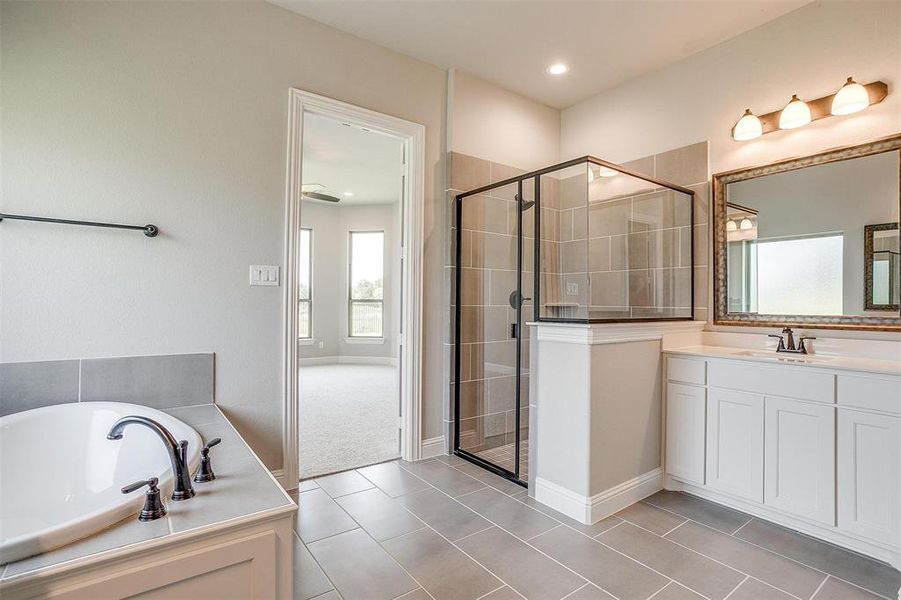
731, 226
746, 224
852, 98
607, 172
747, 128
795, 114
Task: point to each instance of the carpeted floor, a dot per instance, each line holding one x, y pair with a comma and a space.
348, 417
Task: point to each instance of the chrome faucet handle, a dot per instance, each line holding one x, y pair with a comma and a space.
781, 346
801, 347
790, 344
205, 473
153, 504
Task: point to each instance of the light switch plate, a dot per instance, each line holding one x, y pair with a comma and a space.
264, 275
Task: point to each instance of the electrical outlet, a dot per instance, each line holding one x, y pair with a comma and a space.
264, 275
572, 289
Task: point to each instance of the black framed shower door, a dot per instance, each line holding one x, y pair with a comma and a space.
495, 266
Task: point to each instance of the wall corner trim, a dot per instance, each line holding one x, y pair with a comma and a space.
432, 447
591, 509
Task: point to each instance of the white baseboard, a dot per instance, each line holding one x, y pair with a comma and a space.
348, 360
432, 447
591, 509
279, 475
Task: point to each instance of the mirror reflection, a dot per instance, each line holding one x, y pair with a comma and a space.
820, 240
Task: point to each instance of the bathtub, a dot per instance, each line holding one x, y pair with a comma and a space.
60, 478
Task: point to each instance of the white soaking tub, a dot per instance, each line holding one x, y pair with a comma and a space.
60, 477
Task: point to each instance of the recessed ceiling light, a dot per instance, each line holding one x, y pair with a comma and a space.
348, 194
557, 69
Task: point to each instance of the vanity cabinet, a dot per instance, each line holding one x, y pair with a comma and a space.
869, 475
811, 448
686, 415
799, 458
735, 443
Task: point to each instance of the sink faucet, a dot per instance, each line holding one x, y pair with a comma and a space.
178, 452
790, 345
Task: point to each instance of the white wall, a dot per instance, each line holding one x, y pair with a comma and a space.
809, 52
331, 226
176, 114
491, 123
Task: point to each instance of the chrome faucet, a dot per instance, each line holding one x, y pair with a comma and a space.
178, 452
789, 345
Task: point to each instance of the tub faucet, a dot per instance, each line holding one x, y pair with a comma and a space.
178, 452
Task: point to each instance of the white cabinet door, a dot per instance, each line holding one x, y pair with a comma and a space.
869, 475
735, 443
799, 458
686, 412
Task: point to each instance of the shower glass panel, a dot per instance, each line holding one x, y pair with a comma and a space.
581, 242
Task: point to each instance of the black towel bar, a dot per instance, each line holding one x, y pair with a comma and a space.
149, 229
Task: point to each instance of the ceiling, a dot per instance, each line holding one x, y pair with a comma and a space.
347, 158
512, 43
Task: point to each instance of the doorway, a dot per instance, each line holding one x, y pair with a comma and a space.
353, 287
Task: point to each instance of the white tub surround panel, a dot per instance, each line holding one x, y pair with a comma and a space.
597, 431
233, 539
810, 442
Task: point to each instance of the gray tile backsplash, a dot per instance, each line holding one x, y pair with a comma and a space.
167, 381
28, 385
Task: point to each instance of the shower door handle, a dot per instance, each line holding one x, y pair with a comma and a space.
514, 331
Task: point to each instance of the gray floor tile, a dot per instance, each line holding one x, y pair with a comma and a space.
751, 589
309, 580
332, 595
869, 574
441, 568
702, 511
692, 570
360, 568
590, 592
502, 510
589, 530
770, 568
417, 594
307, 485
523, 568
318, 517
382, 517
835, 589
392, 479
488, 478
444, 477
341, 484
651, 518
452, 460
504, 593
674, 591
449, 518
613, 572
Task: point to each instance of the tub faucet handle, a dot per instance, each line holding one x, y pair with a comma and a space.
153, 504
205, 473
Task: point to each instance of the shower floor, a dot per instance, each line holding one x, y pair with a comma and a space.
502, 456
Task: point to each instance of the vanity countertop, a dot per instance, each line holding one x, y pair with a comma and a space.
243, 492
814, 361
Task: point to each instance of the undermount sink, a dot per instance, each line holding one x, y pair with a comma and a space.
784, 357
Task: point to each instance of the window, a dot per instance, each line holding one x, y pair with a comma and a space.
800, 275
305, 286
367, 253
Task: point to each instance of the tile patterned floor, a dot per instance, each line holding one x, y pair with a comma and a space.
445, 529
503, 457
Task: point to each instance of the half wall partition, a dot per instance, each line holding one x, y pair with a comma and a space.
585, 241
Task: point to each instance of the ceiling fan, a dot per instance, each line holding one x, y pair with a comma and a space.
311, 191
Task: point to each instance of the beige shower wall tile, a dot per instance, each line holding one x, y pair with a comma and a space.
598, 254
660, 210
609, 218
609, 289
683, 166
484, 213
467, 172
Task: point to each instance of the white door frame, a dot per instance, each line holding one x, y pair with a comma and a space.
413, 137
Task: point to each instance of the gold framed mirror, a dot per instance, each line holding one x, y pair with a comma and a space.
810, 241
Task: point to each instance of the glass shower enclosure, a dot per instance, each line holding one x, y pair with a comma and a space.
585, 241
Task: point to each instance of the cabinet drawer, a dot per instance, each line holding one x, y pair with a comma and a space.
686, 370
869, 392
801, 383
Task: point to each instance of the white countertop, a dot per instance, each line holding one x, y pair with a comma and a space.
814, 361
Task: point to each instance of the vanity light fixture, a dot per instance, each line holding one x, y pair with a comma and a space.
747, 128
852, 97
795, 114
731, 226
557, 69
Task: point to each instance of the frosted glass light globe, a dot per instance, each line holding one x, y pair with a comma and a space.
795, 114
747, 128
852, 98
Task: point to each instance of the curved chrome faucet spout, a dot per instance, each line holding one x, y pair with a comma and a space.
178, 452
